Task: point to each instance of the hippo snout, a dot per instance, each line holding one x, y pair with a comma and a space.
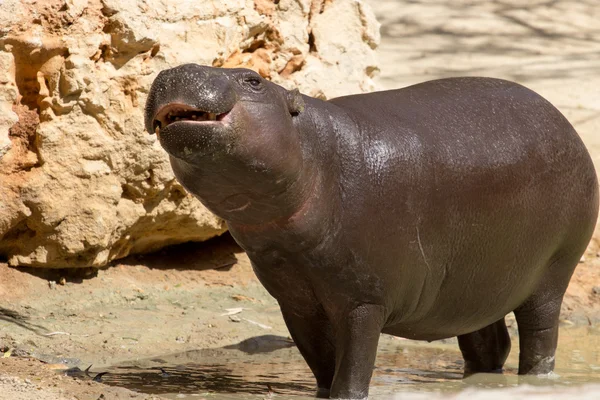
189, 91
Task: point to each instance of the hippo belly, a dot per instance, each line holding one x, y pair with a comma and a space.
466, 208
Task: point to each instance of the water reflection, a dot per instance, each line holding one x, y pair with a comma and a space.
268, 365
256, 366
196, 378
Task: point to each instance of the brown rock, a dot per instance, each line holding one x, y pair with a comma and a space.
264, 7
81, 182
294, 64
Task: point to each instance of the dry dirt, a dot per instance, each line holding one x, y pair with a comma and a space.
30, 379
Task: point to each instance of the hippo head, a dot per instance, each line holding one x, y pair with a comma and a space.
232, 136
200, 111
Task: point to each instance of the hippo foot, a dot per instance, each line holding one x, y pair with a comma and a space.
485, 350
543, 368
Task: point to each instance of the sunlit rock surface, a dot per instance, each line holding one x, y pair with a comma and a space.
81, 183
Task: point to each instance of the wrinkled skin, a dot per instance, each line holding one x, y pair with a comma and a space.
427, 212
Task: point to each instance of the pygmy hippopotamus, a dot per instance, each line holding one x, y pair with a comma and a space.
426, 212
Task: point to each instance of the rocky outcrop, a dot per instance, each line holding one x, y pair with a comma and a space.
81, 183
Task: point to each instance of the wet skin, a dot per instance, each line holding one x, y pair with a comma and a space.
426, 212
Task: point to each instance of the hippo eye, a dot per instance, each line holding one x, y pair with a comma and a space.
253, 81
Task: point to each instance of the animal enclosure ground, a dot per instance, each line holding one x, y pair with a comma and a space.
185, 298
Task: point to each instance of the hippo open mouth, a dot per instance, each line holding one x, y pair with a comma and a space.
172, 113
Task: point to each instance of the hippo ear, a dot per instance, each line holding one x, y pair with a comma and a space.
295, 102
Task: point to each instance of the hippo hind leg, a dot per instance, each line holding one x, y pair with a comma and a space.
538, 318
538, 336
485, 350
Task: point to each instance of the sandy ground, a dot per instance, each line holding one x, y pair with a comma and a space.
166, 303
179, 300
31, 379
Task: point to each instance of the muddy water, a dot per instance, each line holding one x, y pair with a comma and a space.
271, 364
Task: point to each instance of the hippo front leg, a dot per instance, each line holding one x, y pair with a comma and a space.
313, 335
357, 336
